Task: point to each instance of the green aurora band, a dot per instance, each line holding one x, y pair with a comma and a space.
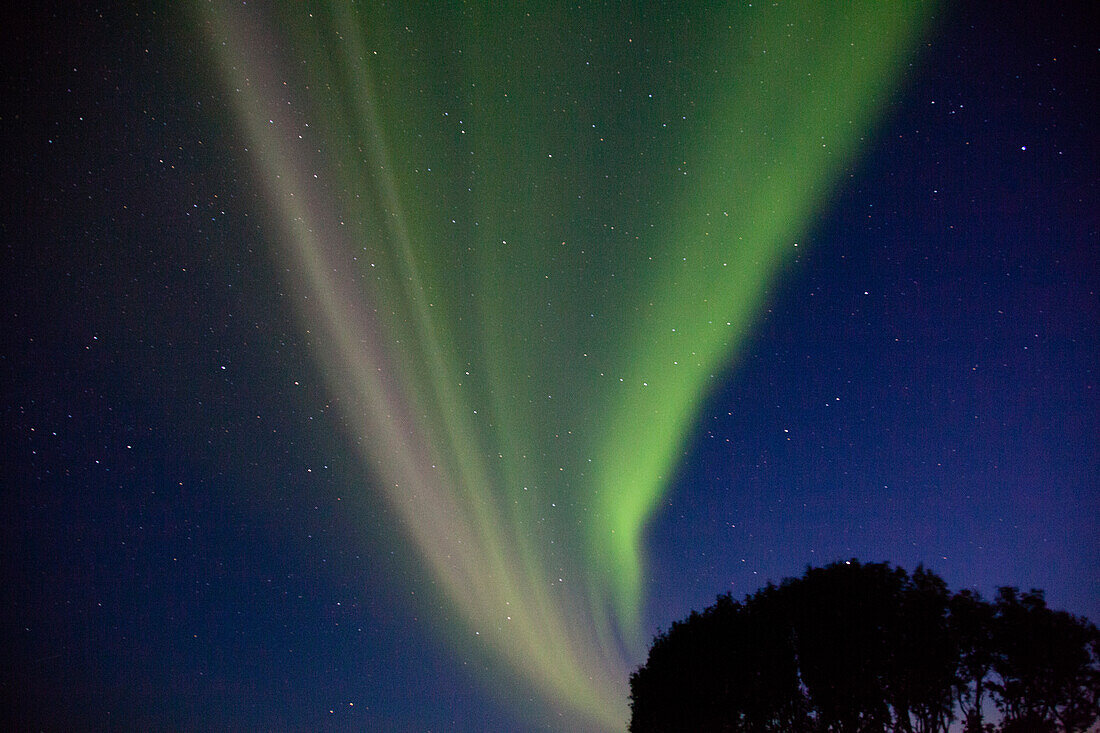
527, 241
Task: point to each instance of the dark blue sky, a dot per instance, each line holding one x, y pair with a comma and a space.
178, 548
923, 389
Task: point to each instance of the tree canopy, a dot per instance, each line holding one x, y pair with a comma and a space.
855, 647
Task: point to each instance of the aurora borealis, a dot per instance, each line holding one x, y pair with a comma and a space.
406, 366
530, 240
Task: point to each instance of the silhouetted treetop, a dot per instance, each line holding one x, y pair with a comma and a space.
855, 647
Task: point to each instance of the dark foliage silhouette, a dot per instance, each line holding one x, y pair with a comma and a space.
859, 647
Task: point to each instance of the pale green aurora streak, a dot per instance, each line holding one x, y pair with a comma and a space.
527, 240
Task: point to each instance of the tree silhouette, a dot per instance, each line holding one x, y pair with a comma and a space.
1046, 664
842, 625
728, 668
855, 647
971, 624
923, 662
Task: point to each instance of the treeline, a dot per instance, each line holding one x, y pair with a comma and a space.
857, 647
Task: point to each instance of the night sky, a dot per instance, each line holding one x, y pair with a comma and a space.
405, 369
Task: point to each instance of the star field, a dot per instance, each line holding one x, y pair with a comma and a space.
405, 369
